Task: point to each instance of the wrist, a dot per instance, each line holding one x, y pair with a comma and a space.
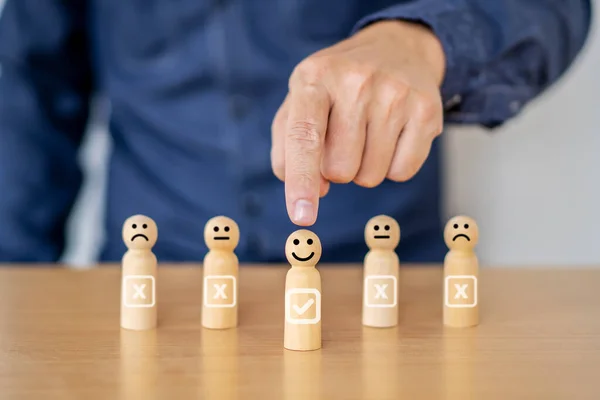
418, 39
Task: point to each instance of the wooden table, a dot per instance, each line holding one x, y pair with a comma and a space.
539, 338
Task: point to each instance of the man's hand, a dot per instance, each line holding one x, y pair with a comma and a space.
360, 111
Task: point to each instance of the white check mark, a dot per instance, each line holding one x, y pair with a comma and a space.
306, 306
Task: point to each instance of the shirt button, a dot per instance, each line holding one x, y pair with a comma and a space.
453, 101
238, 106
251, 204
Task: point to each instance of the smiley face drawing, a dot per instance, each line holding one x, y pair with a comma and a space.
303, 248
139, 232
461, 233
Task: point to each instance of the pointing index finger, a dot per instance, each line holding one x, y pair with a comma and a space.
305, 135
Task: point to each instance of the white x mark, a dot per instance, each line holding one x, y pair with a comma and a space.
381, 291
139, 291
220, 291
460, 291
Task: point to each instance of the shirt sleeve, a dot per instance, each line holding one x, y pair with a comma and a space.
45, 84
499, 54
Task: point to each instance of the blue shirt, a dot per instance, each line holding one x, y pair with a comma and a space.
193, 86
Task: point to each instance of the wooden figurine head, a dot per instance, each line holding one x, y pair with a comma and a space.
303, 248
221, 233
461, 233
382, 232
140, 232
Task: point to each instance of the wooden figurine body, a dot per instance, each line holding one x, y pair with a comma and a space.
381, 273
139, 270
303, 292
220, 287
461, 273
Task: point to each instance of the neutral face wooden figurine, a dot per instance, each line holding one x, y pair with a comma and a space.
220, 289
382, 233
381, 273
221, 233
461, 273
303, 292
139, 268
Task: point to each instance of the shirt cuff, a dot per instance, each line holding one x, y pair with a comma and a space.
489, 107
462, 34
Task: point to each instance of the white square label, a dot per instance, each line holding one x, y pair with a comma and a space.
460, 291
220, 291
303, 306
381, 291
139, 291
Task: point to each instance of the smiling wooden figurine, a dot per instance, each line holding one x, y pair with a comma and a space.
303, 292
221, 269
139, 267
461, 271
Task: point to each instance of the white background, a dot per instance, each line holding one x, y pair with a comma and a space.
533, 185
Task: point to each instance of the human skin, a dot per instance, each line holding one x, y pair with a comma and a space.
363, 110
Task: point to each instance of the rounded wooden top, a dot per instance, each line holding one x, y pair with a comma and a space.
303, 248
221, 233
382, 232
140, 232
461, 233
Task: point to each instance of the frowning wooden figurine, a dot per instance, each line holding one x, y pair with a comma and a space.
220, 293
139, 267
461, 272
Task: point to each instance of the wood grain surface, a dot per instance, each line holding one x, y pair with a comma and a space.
538, 338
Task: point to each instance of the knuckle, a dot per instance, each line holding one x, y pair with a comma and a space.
276, 127
278, 120
358, 80
404, 171
434, 128
278, 166
368, 180
309, 71
394, 100
338, 172
306, 134
437, 131
279, 174
400, 175
429, 109
394, 92
303, 178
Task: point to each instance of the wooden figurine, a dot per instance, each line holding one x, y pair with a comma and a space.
139, 268
220, 293
303, 292
381, 273
461, 271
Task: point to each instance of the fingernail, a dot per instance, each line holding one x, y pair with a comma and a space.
303, 212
